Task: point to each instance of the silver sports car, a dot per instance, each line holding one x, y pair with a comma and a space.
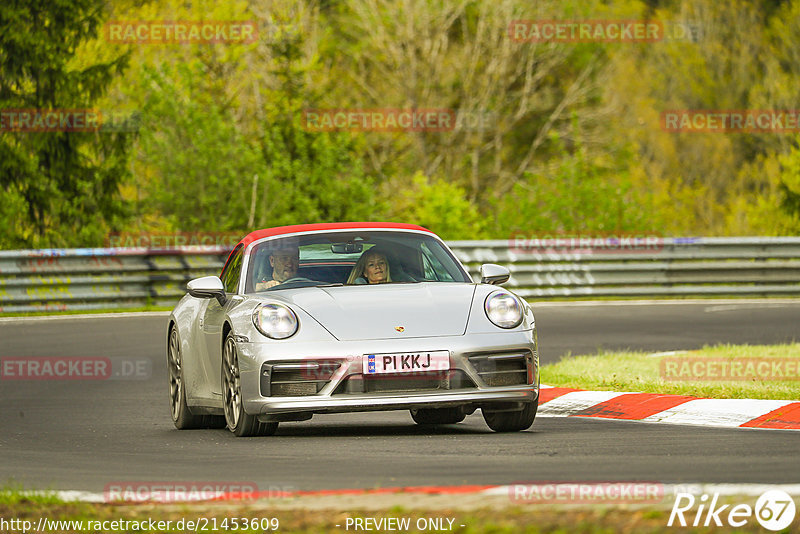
349, 317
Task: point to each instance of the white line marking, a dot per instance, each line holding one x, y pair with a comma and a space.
732, 307
69, 495
666, 353
717, 412
83, 317
716, 302
670, 490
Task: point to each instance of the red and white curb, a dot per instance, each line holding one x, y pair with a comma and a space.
670, 409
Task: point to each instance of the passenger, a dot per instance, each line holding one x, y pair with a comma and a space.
372, 268
284, 263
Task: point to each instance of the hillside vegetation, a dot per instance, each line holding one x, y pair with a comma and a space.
550, 137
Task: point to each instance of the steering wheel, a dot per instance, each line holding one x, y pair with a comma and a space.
297, 279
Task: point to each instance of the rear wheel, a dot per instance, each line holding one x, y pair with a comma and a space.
512, 421
437, 416
182, 417
237, 420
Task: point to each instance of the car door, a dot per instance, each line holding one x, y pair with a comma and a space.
213, 318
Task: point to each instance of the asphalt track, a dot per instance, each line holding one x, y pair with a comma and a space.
86, 435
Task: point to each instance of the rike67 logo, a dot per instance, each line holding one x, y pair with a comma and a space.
774, 510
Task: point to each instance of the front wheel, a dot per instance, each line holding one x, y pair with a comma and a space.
512, 421
182, 417
238, 421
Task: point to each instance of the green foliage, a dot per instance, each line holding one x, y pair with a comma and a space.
58, 188
638, 371
205, 163
318, 176
13, 494
578, 193
440, 206
197, 163
313, 177
790, 186
568, 138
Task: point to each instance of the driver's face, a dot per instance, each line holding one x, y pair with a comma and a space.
284, 265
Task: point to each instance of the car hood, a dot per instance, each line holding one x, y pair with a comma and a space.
388, 310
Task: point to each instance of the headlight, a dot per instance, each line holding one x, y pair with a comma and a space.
503, 309
275, 320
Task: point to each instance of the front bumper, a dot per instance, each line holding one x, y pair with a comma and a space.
472, 390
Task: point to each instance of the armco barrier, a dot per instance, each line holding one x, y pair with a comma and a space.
101, 278
84, 279
701, 266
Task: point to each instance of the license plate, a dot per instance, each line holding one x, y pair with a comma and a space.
406, 362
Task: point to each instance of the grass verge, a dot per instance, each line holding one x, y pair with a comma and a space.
721, 371
230, 517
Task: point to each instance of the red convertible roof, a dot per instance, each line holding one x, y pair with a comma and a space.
295, 228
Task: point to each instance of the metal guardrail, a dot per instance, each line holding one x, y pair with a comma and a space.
716, 266
85, 279
101, 278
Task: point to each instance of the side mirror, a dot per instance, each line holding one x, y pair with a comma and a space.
494, 274
207, 287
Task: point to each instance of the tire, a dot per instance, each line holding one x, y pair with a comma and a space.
237, 420
512, 421
437, 416
182, 416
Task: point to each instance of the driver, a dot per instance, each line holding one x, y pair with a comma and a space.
284, 263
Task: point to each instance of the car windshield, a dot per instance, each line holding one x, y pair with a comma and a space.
350, 258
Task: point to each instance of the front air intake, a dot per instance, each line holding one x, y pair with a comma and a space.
509, 369
296, 379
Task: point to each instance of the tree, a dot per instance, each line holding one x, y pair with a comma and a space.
312, 176
194, 165
508, 96
223, 145
58, 187
789, 191
582, 194
440, 206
